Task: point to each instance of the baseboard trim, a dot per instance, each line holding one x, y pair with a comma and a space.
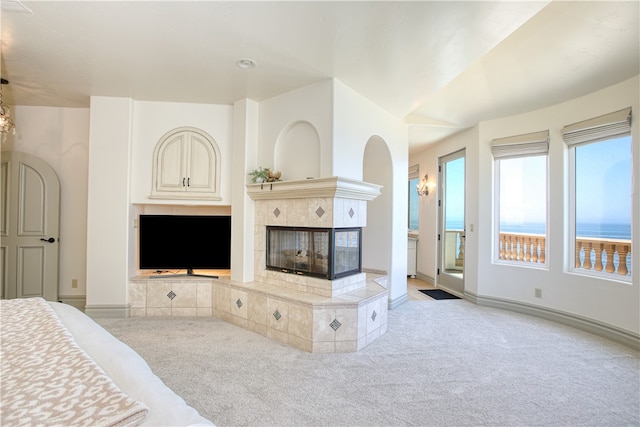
98, 311
425, 278
397, 302
77, 301
613, 333
374, 271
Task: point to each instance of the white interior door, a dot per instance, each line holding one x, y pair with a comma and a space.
451, 222
30, 222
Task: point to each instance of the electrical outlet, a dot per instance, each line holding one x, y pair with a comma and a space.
538, 293
74, 283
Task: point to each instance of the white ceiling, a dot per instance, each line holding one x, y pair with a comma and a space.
441, 66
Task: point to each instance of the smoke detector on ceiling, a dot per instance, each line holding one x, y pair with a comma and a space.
245, 63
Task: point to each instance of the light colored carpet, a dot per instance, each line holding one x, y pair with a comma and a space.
441, 363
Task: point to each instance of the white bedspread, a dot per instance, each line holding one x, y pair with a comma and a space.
48, 380
129, 371
120, 367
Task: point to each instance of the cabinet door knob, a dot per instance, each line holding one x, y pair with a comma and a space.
183, 181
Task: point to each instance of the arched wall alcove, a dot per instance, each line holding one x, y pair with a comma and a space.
297, 152
376, 237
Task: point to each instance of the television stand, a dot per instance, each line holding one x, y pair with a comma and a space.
189, 273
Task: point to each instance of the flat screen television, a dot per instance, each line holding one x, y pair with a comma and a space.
184, 242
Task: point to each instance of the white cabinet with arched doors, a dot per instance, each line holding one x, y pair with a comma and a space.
186, 165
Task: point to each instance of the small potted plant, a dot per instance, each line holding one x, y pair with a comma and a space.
259, 175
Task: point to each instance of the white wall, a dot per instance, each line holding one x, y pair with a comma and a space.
60, 137
108, 204
151, 120
356, 120
312, 104
245, 147
607, 302
427, 249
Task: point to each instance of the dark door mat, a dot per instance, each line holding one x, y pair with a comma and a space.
438, 294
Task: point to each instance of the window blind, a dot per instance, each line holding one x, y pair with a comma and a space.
414, 172
529, 144
598, 128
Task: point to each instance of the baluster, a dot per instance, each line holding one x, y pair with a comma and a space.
501, 246
527, 249
610, 268
543, 243
512, 247
578, 247
623, 250
587, 255
534, 250
598, 247
460, 258
521, 249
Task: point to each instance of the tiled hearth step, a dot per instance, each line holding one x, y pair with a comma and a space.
314, 323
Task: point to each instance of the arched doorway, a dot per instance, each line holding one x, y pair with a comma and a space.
377, 235
30, 223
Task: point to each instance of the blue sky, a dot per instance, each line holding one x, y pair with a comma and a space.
523, 188
603, 193
603, 179
454, 181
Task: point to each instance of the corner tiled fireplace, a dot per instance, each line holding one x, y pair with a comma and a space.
309, 290
328, 253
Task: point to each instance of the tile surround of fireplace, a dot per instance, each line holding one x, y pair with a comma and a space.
311, 313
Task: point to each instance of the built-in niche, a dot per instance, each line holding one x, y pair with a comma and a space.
297, 152
186, 233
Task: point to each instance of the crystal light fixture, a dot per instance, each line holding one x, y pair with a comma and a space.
6, 122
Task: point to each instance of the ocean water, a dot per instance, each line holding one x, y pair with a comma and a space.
603, 231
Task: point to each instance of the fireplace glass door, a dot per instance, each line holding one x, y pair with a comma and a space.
320, 252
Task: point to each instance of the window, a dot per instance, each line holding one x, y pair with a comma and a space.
414, 172
521, 198
601, 198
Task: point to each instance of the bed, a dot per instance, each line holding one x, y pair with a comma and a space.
59, 367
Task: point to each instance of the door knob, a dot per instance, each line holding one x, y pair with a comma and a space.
50, 240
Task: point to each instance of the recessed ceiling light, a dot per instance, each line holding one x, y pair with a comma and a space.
246, 64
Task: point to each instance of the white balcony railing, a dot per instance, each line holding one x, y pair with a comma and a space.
530, 248
612, 256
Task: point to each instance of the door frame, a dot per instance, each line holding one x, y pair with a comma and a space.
42, 237
445, 280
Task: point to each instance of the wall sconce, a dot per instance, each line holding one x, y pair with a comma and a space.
423, 187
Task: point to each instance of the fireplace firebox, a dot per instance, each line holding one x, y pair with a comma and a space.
329, 253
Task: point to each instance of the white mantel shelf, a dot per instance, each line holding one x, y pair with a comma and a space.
317, 187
